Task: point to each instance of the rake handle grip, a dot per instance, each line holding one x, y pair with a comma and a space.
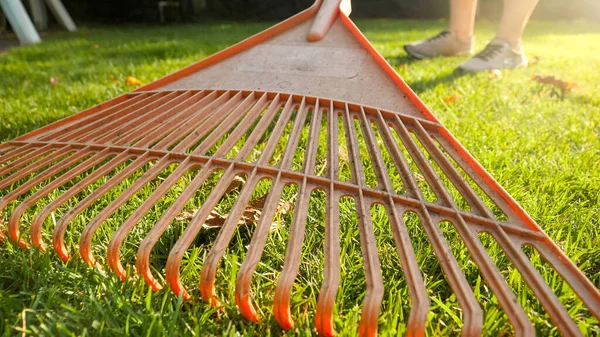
326, 16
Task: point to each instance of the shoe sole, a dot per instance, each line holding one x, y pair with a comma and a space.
412, 53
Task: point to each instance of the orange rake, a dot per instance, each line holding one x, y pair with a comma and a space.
316, 65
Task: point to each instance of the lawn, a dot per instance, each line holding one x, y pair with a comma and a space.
541, 144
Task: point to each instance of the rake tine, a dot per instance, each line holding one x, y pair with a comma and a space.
6, 147
488, 269
148, 243
60, 154
114, 247
85, 249
224, 127
291, 265
558, 314
185, 240
209, 124
416, 286
569, 272
175, 122
130, 127
38, 221
61, 226
43, 176
259, 237
243, 126
152, 124
158, 126
160, 104
374, 295
80, 129
211, 262
193, 123
331, 278
15, 153
146, 246
473, 314
458, 181
207, 277
13, 223
104, 114
243, 298
176, 255
20, 162
490, 187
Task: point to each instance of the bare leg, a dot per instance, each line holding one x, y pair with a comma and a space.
515, 15
462, 17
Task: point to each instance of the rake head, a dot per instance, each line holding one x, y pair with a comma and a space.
313, 83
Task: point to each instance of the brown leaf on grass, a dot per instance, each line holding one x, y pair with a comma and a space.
451, 99
250, 215
130, 80
555, 82
53, 80
237, 182
535, 60
114, 80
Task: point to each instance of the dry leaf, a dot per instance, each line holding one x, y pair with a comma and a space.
130, 80
535, 59
451, 99
555, 82
114, 80
250, 215
236, 183
53, 80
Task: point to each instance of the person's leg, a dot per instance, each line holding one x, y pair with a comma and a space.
515, 15
462, 17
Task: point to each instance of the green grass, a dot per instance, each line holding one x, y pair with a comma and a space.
541, 145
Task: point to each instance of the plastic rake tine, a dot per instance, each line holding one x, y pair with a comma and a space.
273, 108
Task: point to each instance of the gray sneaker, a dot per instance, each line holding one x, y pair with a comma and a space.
445, 43
498, 54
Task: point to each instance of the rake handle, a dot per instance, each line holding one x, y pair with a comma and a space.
326, 16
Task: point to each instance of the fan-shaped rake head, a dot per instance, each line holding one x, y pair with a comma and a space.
327, 115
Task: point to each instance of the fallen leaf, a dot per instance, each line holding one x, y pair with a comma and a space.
451, 99
236, 183
535, 59
250, 215
96, 46
114, 80
555, 82
130, 80
53, 80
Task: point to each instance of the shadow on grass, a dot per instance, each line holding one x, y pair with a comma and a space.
424, 85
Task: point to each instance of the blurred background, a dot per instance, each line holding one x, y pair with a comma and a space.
165, 11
